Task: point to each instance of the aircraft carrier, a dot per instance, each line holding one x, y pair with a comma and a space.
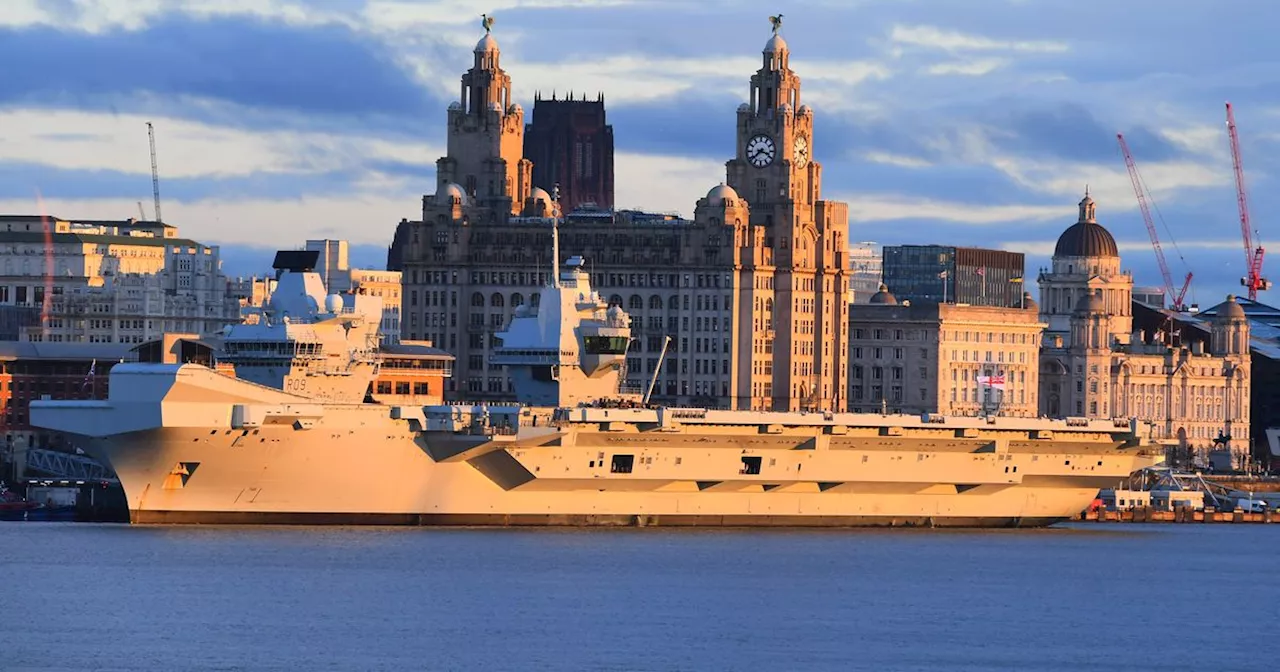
291, 439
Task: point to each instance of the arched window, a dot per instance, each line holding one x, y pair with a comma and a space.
635, 302
615, 300
517, 299
497, 300
655, 302
535, 299
477, 299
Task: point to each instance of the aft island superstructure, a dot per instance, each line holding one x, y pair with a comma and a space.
292, 438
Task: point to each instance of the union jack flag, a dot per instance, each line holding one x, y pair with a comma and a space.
996, 382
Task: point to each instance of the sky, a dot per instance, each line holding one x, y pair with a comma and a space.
965, 122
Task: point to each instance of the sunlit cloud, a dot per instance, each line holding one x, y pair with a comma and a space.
932, 37
973, 68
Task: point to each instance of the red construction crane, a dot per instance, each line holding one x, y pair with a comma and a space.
1253, 279
1140, 192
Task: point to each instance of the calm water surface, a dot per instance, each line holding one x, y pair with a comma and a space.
1095, 597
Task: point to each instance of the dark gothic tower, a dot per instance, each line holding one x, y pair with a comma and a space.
570, 145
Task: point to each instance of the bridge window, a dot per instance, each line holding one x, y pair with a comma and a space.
606, 345
750, 465
622, 464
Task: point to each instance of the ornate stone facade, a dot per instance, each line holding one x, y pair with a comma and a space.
1190, 379
795, 294
751, 291
95, 281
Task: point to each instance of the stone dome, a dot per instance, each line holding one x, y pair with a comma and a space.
884, 296
515, 109
495, 106
486, 44
775, 44
805, 110
1230, 310
448, 192
538, 193
744, 108
1086, 238
1091, 303
720, 193
539, 203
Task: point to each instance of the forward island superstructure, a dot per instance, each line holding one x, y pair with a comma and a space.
292, 438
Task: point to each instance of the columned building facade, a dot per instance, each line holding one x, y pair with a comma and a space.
751, 292
1191, 381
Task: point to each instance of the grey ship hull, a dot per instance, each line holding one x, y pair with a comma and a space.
211, 449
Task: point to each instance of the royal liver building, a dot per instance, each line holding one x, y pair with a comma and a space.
743, 306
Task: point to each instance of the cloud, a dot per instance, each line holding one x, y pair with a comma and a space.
886, 208
105, 142
664, 183
931, 37
97, 17
970, 68
1135, 248
896, 160
325, 69
658, 79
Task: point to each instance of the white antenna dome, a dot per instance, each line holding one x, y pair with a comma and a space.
333, 303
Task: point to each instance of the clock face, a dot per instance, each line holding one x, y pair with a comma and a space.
760, 151
801, 152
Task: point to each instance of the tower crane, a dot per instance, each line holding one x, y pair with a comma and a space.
1140, 191
155, 173
1253, 280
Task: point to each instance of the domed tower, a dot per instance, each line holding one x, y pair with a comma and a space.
1086, 261
1230, 330
722, 206
1231, 342
486, 136
883, 297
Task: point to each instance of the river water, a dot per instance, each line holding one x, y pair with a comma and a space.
1086, 597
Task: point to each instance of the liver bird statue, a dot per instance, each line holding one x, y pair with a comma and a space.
777, 23
487, 22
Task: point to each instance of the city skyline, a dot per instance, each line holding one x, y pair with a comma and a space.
277, 122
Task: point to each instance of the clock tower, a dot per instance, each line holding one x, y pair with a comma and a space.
796, 287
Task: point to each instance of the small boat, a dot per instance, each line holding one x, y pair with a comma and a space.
12, 502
